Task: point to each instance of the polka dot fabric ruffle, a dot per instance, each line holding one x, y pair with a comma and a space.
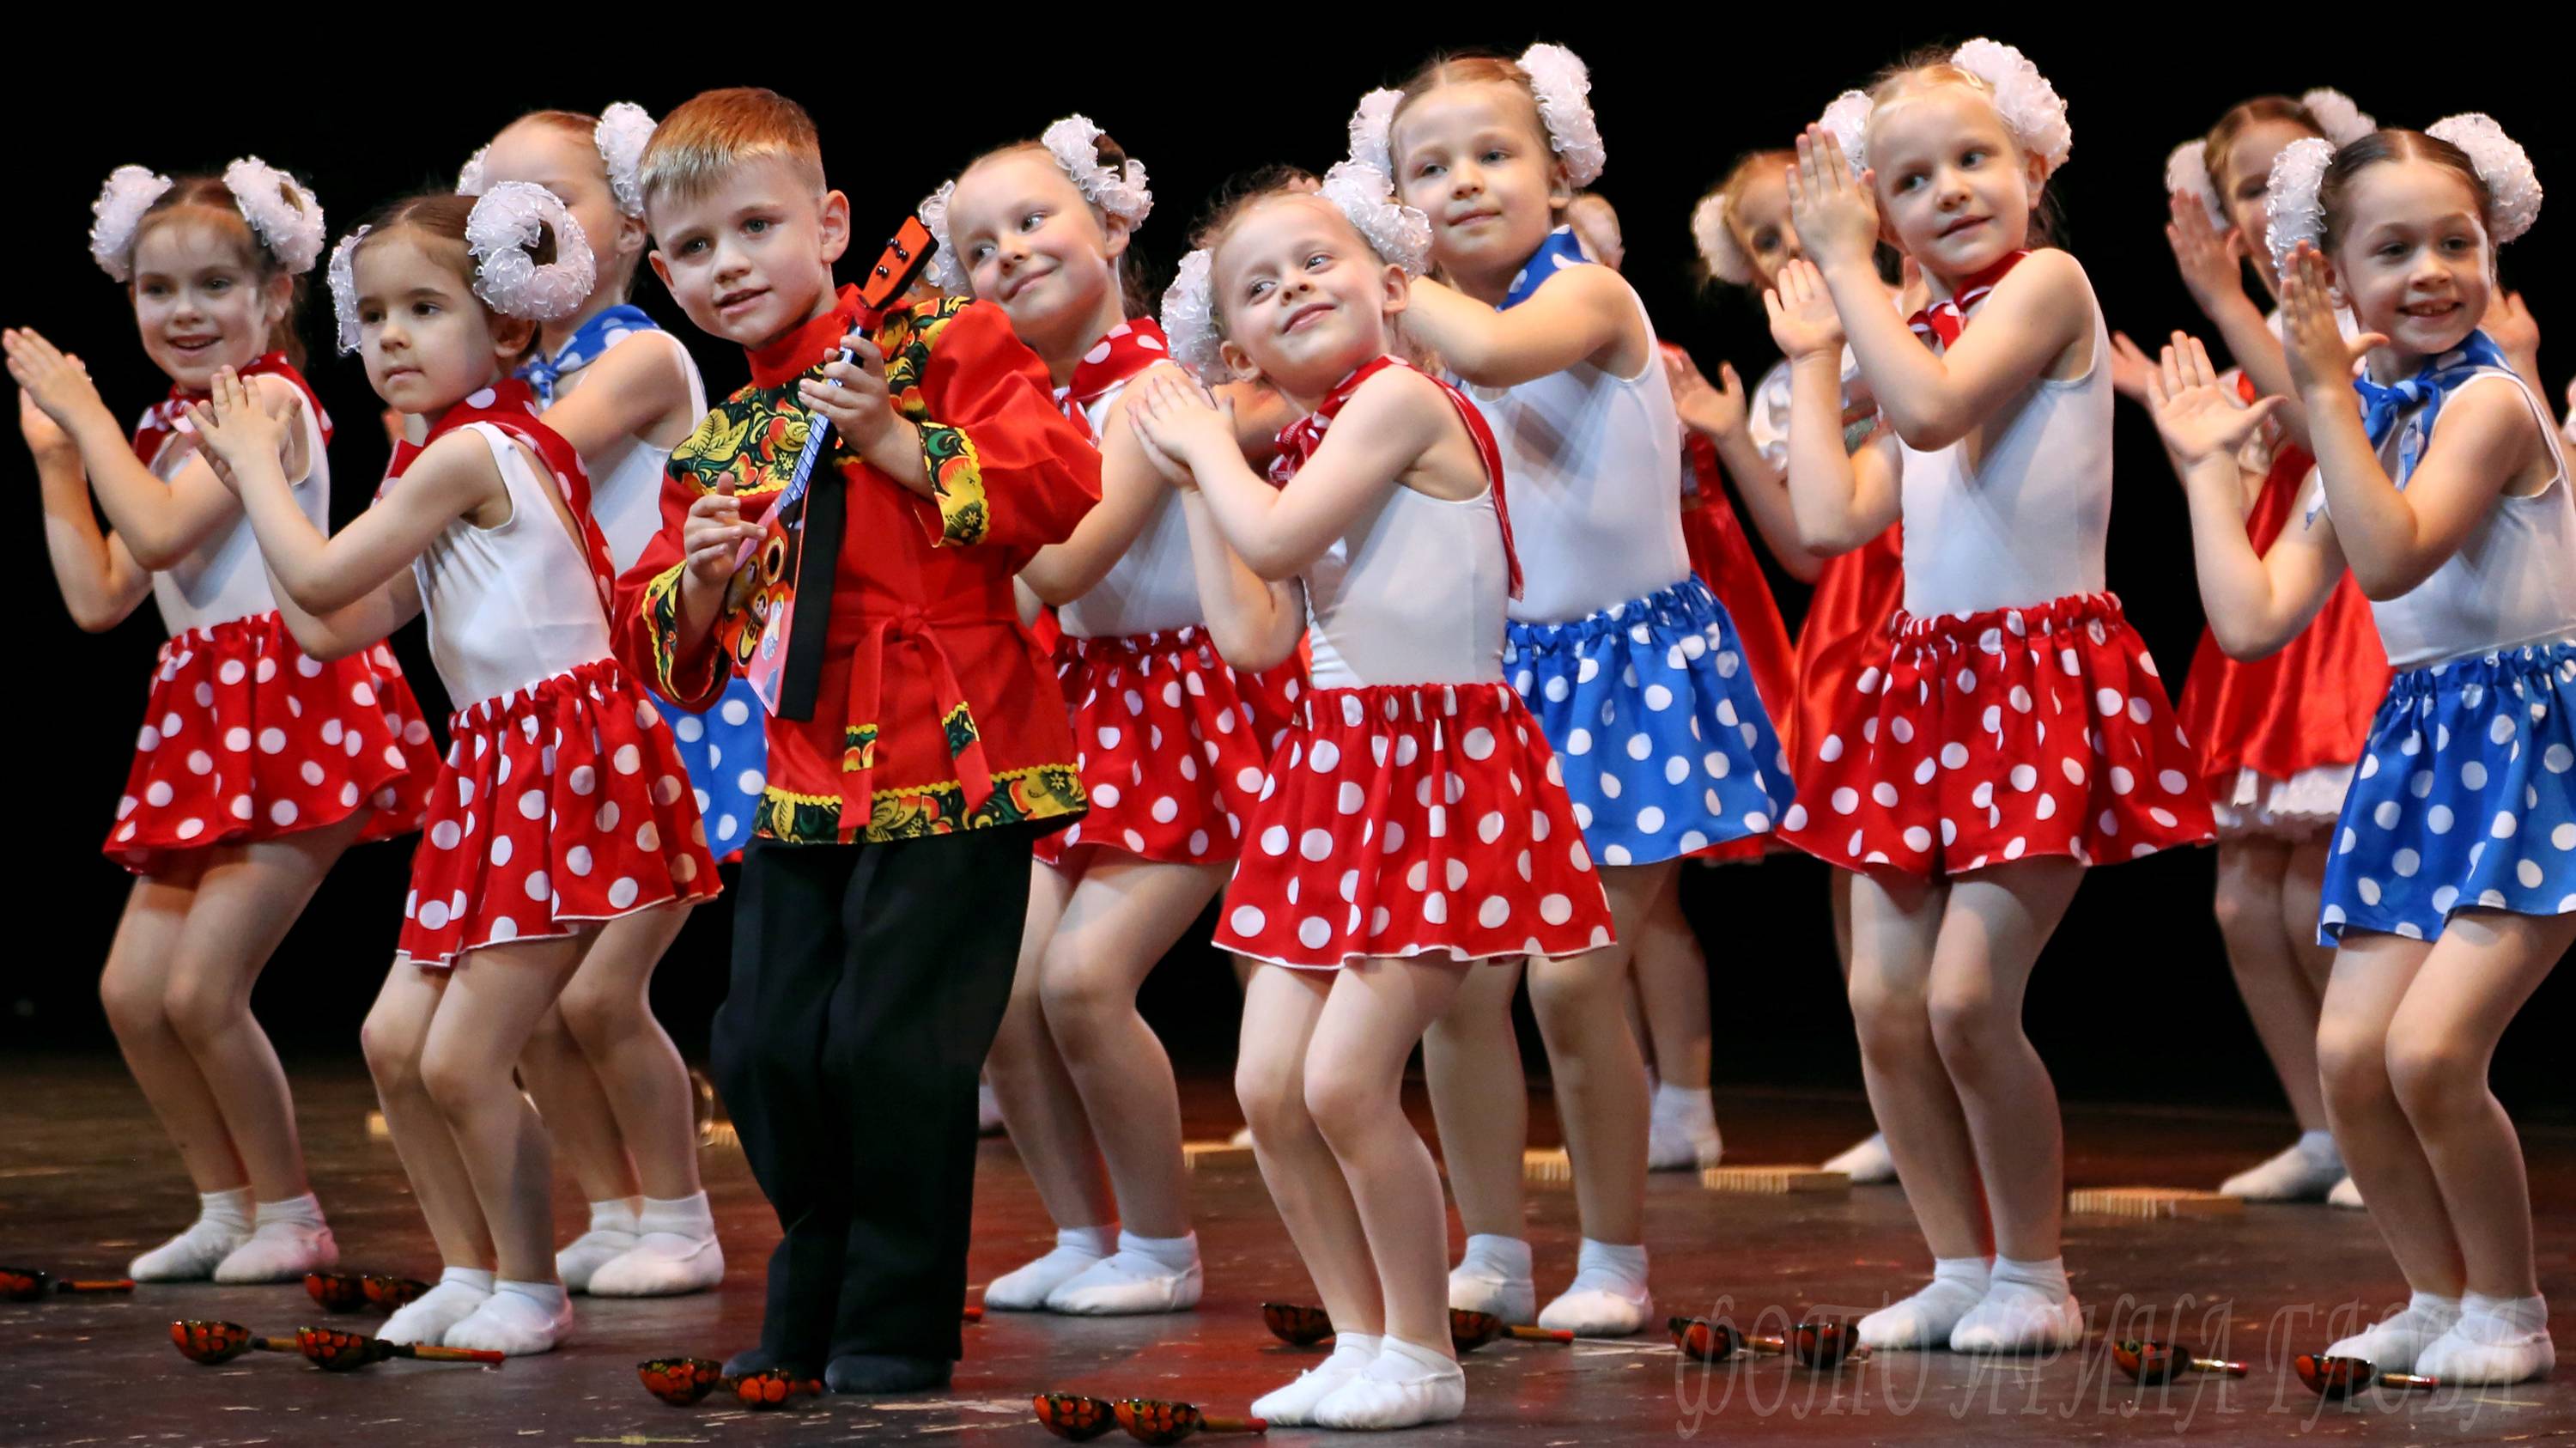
726, 749
1404, 820
247, 737
2463, 798
559, 805
1999, 735
1664, 744
1173, 744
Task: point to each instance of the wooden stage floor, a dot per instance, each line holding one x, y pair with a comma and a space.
86, 1181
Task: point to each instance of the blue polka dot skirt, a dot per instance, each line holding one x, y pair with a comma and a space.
727, 752
2463, 797
1650, 708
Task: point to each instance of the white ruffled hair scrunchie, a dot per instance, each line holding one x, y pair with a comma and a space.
624, 129
1073, 144
2030, 107
2188, 172
1398, 233
2293, 201
507, 221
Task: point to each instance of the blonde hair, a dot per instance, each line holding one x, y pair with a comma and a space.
716, 131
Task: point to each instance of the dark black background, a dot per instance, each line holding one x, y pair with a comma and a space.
2133, 1000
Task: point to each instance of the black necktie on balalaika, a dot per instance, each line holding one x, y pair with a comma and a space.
821, 518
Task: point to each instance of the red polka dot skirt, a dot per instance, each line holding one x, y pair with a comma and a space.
2000, 735
1172, 743
246, 737
1402, 820
558, 806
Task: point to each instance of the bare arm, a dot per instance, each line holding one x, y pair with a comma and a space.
2039, 314
1582, 314
1253, 623
100, 581
1380, 436
1840, 499
2485, 439
2255, 603
1717, 412
633, 389
344, 631
455, 477
1130, 490
2212, 264
160, 523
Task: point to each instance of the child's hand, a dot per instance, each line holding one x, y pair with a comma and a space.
237, 425
2211, 261
2131, 368
1713, 410
713, 535
1835, 213
2508, 323
45, 437
2319, 353
56, 380
1803, 320
2198, 418
860, 407
1177, 420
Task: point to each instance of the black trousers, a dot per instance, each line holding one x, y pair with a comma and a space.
868, 983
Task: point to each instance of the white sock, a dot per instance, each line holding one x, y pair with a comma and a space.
1294, 1405
287, 1239
223, 1223
675, 1252
1681, 1133
1026, 1289
1493, 1275
1927, 1318
427, 1317
519, 1318
2395, 1343
2302, 1172
1145, 1274
2497, 1340
612, 1233
1866, 1162
1608, 1297
2026, 1309
1404, 1386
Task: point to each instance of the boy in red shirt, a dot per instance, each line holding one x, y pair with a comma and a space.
919, 746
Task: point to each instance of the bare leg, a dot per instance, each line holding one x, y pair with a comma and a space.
1895, 922
2440, 1045
1040, 1104
607, 1007
1354, 1089
247, 898
2372, 973
2302, 898
1471, 1059
1992, 931
1280, 1009
1672, 989
1599, 1076
2252, 907
1867, 1160
1123, 917
493, 1001
396, 1029
574, 1104
135, 988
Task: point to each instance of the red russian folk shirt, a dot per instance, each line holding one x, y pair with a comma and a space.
935, 711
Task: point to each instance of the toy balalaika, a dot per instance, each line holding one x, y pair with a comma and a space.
803, 542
